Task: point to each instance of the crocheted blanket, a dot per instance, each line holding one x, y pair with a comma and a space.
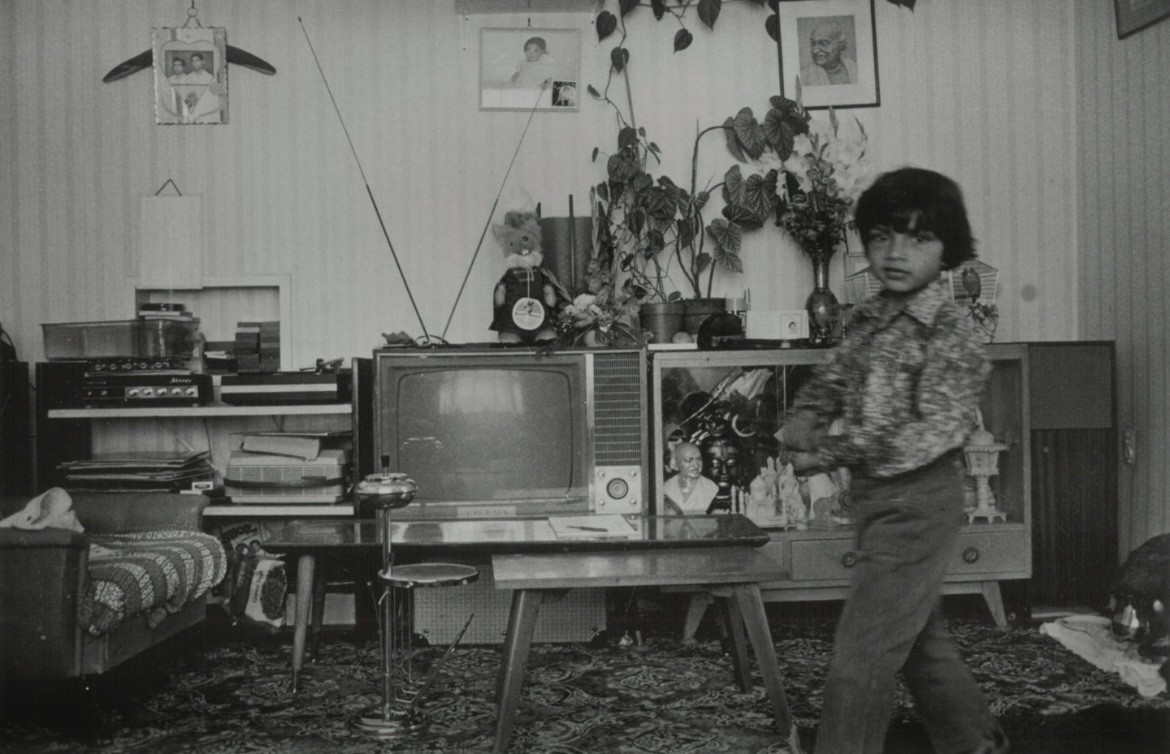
151, 572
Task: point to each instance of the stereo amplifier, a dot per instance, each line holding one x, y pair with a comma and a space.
144, 389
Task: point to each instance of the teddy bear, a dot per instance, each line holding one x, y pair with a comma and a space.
528, 297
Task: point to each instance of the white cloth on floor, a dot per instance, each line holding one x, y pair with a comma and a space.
52, 509
1091, 637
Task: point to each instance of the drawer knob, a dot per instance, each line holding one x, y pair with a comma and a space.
849, 559
971, 554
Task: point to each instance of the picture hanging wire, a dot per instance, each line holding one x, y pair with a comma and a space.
169, 182
192, 15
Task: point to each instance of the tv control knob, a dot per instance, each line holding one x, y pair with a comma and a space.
617, 488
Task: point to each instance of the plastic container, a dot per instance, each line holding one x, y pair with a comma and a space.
174, 338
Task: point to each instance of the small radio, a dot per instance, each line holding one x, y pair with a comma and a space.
143, 389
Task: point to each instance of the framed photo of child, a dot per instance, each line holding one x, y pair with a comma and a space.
527, 69
828, 53
190, 76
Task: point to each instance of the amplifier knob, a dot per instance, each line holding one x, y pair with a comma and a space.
132, 392
192, 392
147, 392
849, 559
971, 554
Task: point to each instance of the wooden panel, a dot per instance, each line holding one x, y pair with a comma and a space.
1123, 105
692, 565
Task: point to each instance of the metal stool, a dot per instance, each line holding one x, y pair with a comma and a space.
385, 492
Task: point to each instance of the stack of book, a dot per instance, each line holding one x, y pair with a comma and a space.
290, 467
258, 346
138, 471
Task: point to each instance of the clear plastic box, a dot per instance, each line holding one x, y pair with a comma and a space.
161, 337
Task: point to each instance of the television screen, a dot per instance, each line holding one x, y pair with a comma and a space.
491, 433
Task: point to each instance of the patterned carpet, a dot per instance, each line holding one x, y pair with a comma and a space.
225, 689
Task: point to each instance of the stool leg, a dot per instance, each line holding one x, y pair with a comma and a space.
755, 620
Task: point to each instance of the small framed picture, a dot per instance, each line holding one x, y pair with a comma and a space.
190, 76
1135, 15
793, 324
529, 69
828, 53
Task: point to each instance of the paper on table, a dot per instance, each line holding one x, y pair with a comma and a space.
603, 526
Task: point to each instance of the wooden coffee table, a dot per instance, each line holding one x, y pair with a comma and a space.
737, 569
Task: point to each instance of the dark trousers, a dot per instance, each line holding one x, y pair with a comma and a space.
907, 532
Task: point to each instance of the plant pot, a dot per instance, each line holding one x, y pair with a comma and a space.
698, 309
662, 318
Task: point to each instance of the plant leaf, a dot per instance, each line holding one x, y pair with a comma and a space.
748, 132
703, 261
732, 141
772, 26
709, 11
606, 23
728, 239
595, 153
659, 8
603, 191
741, 217
618, 58
625, 6
627, 138
733, 185
593, 91
682, 40
759, 198
779, 134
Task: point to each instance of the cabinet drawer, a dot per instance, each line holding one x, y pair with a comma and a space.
822, 559
978, 552
991, 552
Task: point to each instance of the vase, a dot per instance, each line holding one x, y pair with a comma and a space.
824, 310
662, 318
698, 309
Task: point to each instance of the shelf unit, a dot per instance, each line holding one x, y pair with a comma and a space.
818, 559
74, 433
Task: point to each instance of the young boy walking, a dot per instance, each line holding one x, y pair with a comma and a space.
905, 383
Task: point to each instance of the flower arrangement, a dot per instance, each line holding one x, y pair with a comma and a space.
600, 316
822, 180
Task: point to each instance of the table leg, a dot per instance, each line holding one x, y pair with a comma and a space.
306, 565
755, 620
521, 625
729, 614
318, 615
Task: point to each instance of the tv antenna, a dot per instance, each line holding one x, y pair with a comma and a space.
370, 193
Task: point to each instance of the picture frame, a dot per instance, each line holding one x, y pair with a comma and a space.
793, 324
839, 69
1135, 15
190, 76
529, 69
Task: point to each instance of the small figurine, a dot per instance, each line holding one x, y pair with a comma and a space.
982, 456
528, 296
789, 498
689, 489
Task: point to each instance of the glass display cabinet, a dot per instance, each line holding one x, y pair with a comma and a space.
730, 403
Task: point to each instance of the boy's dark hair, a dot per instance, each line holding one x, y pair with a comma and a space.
929, 200
538, 41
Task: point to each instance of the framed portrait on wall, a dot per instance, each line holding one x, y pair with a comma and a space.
828, 53
526, 69
1135, 15
190, 76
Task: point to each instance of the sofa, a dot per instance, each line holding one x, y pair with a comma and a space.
62, 614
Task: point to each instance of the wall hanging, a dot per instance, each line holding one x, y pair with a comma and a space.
828, 53
522, 68
190, 71
1135, 15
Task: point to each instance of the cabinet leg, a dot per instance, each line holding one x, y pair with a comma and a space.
994, 599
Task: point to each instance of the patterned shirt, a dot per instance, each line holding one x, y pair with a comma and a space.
905, 381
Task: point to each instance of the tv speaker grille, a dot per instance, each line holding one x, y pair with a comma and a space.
618, 406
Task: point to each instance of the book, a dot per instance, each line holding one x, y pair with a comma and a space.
304, 445
605, 526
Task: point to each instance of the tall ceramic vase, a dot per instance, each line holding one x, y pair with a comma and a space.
824, 310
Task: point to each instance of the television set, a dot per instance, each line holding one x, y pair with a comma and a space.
513, 432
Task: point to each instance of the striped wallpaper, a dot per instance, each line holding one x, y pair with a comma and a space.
1007, 96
